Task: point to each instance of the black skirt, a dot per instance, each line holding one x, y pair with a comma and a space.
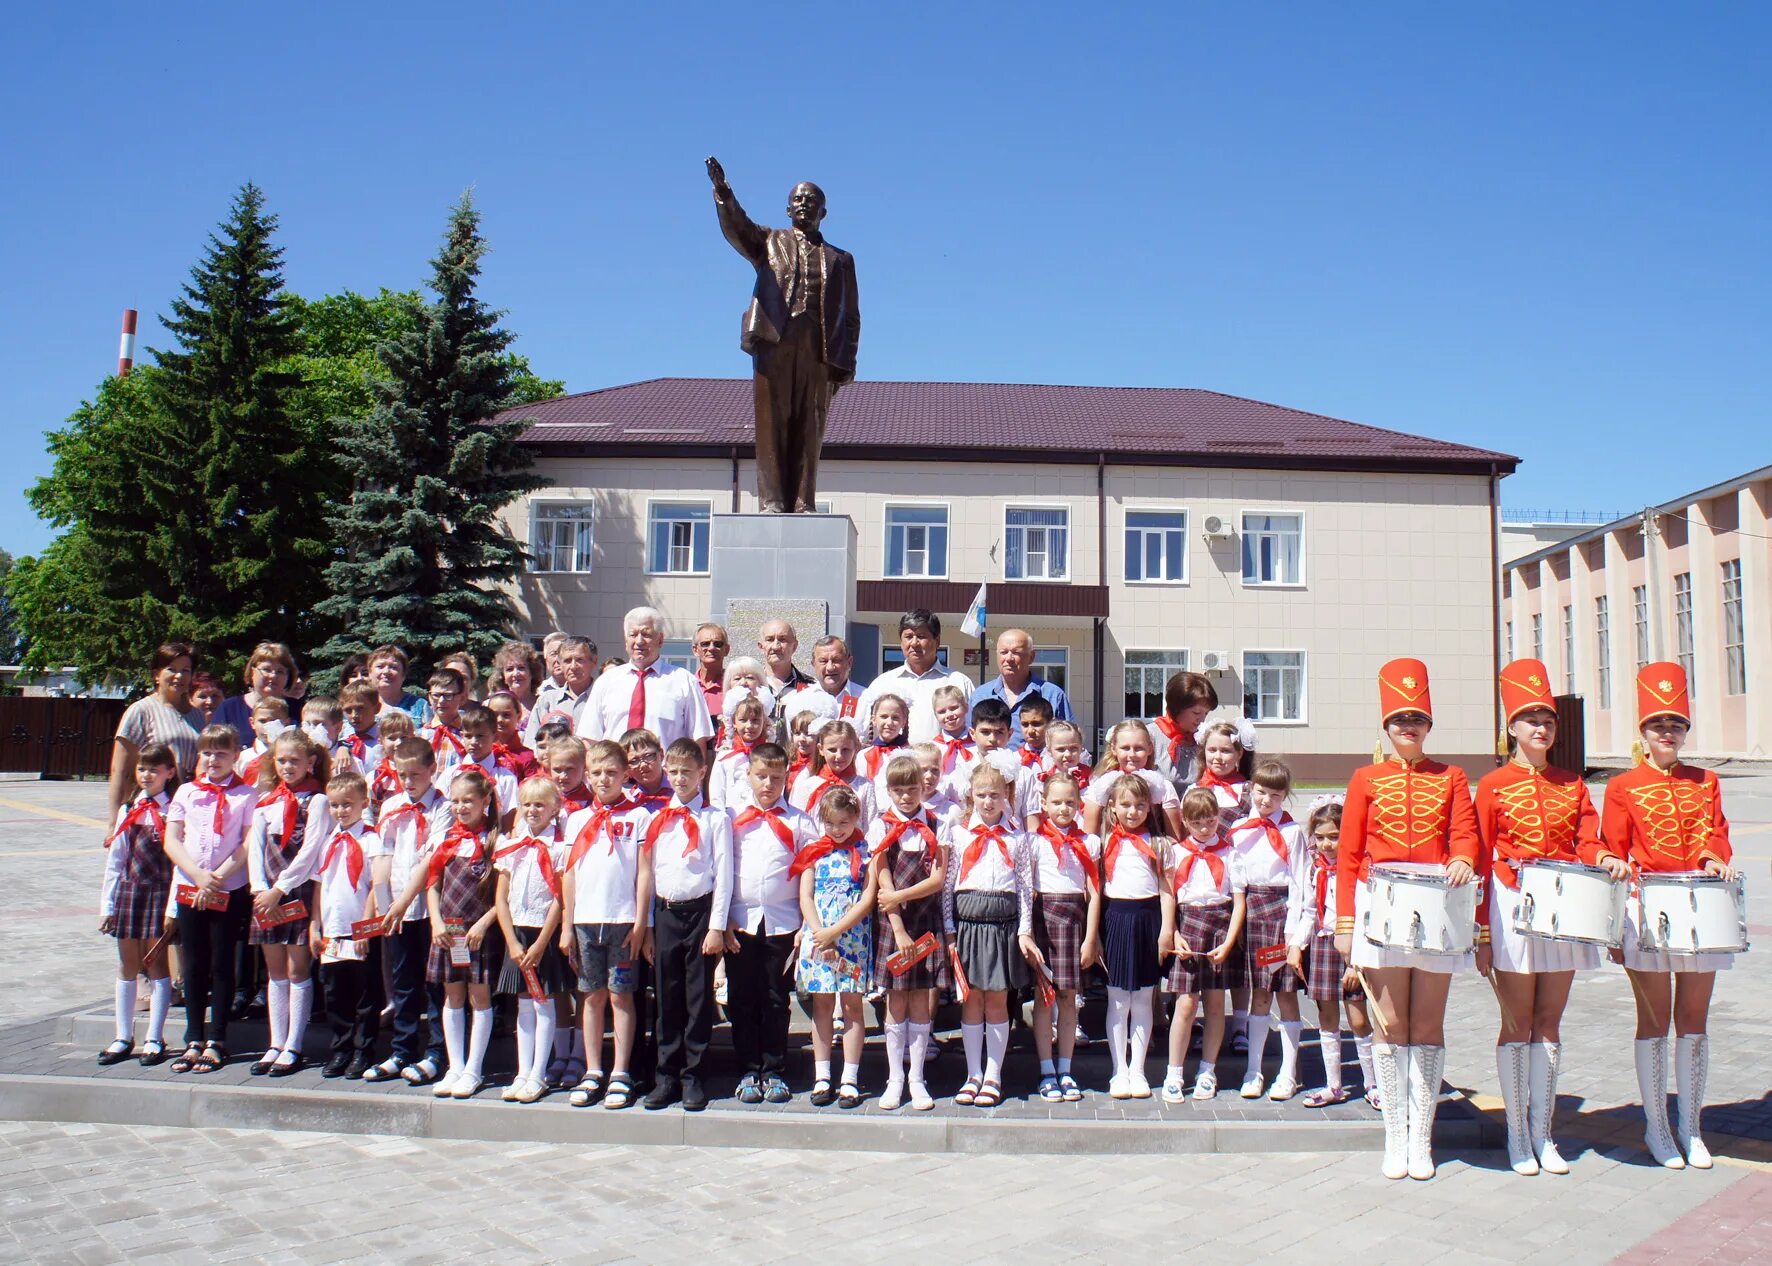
1129, 941
553, 970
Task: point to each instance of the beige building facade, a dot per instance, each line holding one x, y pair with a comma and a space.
1684, 581
1288, 586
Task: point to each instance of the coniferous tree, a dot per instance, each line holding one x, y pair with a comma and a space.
423, 553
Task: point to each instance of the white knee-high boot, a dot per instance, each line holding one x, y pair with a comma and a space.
1390, 1064
1510, 1070
1547, 1060
1691, 1068
1426, 1065
1651, 1053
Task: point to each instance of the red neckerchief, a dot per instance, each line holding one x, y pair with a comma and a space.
773, 816
808, 857
952, 750
544, 857
826, 780
674, 813
1274, 837
355, 745
586, 840
1081, 774
1071, 840
442, 736
981, 840
142, 808
1030, 759
1195, 853
220, 792
511, 758
1118, 838
878, 753
738, 748
417, 810
386, 781
353, 855
651, 801
1168, 729
575, 798
799, 763
291, 805
447, 850
1208, 779
1323, 869
923, 825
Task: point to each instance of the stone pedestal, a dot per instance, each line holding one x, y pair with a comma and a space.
794, 567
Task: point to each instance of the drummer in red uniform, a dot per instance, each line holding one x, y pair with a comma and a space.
1668, 818
1528, 811
1405, 809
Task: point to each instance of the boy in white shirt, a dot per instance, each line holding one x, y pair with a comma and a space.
1264, 846
411, 824
350, 966
479, 735
991, 728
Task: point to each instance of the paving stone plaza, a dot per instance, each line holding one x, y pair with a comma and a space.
132, 1164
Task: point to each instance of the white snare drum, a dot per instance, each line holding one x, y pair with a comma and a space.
1688, 912
1567, 901
1411, 907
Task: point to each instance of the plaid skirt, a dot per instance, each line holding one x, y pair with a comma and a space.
1264, 925
294, 932
1204, 928
1325, 967
920, 916
458, 898
140, 910
1059, 921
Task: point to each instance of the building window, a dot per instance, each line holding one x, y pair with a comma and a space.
1053, 664
1035, 543
892, 657
916, 541
1639, 598
1273, 549
677, 538
1734, 631
560, 535
1603, 649
1156, 546
1510, 641
1568, 650
679, 653
1273, 685
1683, 640
1147, 672
1538, 636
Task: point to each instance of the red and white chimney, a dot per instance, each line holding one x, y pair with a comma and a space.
126, 346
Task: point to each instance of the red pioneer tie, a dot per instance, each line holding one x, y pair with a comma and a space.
1117, 839
1168, 729
1071, 840
1186, 867
353, 855
601, 818
898, 826
828, 779
544, 858
417, 811
447, 849
143, 808
808, 857
637, 704
442, 736
219, 791
981, 840
773, 817
1274, 836
691, 828
952, 749
291, 805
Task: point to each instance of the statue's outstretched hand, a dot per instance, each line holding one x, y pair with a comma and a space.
717, 174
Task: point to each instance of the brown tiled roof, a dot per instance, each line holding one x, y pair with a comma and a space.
1018, 421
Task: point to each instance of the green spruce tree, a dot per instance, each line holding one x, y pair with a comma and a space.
423, 554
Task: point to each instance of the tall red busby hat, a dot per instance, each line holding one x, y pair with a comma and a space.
1402, 687
1662, 692
1525, 685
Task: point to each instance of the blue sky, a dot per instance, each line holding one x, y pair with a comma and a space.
1539, 228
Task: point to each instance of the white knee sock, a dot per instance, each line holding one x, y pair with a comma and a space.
545, 1025
895, 1039
455, 1035
277, 1011
1363, 1051
126, 1010
1140, 1044
1119, 1016
1257, 1040
159, 1002
919, 1049
996, 1045
478, 1040
1330, 1044
1291, 1037
525, 1035
972, 1037
301, 1006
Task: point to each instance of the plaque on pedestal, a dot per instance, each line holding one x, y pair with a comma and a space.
794, 567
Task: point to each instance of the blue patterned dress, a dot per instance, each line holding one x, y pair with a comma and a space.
834, 890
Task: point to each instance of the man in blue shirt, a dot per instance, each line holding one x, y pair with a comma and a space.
1014, 682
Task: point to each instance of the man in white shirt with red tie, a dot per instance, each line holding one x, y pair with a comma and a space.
644, 694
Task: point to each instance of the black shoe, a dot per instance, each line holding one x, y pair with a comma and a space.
665, 1091
287, 1069
335, 1067
262, 1064
241, 1005
359, 1065
695, 1097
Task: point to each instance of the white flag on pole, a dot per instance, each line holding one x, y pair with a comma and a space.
974, 623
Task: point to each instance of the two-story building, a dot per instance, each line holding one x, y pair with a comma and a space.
1132, 531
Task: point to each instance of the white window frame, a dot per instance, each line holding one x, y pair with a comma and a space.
886, 665
652, 504
1734, 627
1126, 527
886, 539
679, 652
1063, 654
1303, 717
1569, 648
1060, 506
1303, 537
1538, 636
537, 516
1639, 602
1685, 630
1510, 641
1169, 670
1603, 648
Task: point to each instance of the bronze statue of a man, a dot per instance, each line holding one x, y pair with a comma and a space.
801, 330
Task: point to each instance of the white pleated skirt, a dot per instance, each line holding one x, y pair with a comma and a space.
1636, 958
1516, 951
1366, 954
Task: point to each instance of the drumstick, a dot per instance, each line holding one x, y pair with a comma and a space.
1372, 1002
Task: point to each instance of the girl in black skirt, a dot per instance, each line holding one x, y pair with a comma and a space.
138, 879
528, 905
988, 908
1132, 866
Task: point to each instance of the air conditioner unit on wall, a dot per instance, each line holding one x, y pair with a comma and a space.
1215, 527
1215, 662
